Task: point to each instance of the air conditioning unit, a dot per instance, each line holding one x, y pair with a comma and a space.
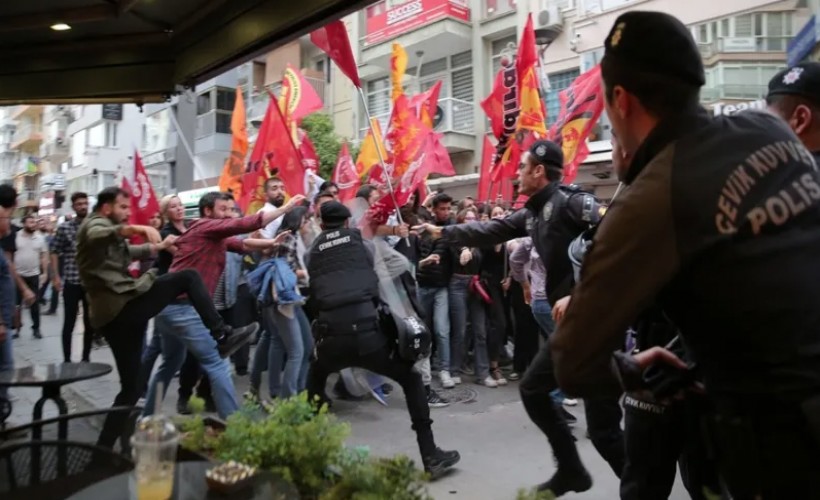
549, 25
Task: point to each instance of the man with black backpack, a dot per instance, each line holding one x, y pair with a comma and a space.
345, 288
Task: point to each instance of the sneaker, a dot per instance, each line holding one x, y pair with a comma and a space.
513, 376
99, 342
182, 407
498, 377
456, 380
233, 341
570, 402
436, 401
568, 417
37, 334
567, 480
441, 461
488, 382
446, 381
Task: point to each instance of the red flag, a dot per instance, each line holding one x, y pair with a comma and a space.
144, 204
413, 178
426, 104
274, 154
405, 137
333, 41
310, 160
484, 180
345, 176
300, 98
581, 106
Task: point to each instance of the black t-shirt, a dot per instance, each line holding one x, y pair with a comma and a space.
164, 259
9, 242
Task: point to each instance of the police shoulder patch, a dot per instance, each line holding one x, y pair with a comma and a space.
546, 213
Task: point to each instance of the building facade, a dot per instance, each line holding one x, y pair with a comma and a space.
462, 42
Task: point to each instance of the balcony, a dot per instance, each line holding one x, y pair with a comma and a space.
55, 150
439, 28
497, 8
29, 165
457, 123
744, 92
774, 46
28, 136
26, 110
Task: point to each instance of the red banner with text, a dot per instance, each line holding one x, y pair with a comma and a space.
391, 18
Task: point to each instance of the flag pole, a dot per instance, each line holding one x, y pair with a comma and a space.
381, 158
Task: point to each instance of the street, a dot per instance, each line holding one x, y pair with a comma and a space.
501, 450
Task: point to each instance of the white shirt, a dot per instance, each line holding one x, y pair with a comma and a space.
270, 230
29, 250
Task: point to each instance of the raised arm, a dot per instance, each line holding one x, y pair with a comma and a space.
477, 234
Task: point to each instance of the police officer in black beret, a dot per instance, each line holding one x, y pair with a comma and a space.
345, 288
554, 215
720, 223
794, 95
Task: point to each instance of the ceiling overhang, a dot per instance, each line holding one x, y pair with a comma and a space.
141, 50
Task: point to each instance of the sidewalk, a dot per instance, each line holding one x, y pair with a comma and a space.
501, 449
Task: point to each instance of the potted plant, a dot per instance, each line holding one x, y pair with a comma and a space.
305, 447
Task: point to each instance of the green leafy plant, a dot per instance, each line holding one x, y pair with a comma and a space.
306, 447
533, 494
319, 128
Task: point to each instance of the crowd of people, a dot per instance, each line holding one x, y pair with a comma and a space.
684, 313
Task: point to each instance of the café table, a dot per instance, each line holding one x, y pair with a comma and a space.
52, 377
190, 484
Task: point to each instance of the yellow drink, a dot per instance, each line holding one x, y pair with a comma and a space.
159, 488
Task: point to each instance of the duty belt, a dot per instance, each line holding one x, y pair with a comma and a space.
325, 329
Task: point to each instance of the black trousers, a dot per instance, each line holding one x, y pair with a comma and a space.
73, 295
526, 329
189, 376
658, 439
126, 332
33, 283
497, 320
55, 295
334, 353
603, 417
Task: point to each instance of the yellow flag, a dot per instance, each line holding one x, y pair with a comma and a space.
398, 66
368, 154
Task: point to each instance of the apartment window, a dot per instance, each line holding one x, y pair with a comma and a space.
503, 47
157, 129
103, 135
225, 99
223, 123
558, 82
745, 81
378, 96
203, 103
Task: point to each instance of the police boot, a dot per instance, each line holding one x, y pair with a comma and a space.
569, 477
439, 462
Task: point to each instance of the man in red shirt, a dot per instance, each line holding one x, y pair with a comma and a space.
203, 248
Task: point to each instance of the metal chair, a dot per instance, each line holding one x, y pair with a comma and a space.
55, 469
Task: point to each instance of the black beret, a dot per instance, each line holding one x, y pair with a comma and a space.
334, 212
800, 80
657, 44
548, 154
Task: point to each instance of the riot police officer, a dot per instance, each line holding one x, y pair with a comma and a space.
794, 95
720, 223
345, 288
553, 216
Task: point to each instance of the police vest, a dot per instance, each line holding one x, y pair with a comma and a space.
341, 271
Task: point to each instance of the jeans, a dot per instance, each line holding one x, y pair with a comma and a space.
73, 294
150, 354
190, 377
292, 342
436, 308
262, 360
335, 353
126, 336
542, 312
498, 321
33, 283
6, 359
465, 305
182, 330
603, 417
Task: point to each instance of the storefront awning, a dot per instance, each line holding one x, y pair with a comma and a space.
92, 51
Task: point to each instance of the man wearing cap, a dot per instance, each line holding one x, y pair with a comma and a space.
345, 288
794, 95
553, 216
719, 223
